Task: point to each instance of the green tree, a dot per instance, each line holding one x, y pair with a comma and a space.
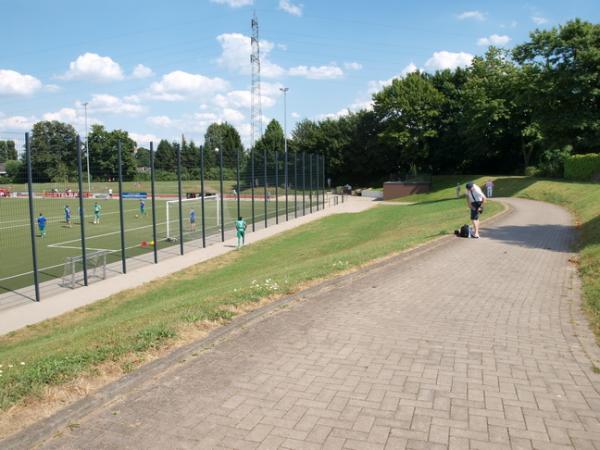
7, 151
103, 151
53, 144
225, 137
142, 157
190, 157
408, 111
165, 157
15, 171
563, 68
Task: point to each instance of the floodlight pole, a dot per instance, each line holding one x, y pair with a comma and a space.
87, 149
284, 90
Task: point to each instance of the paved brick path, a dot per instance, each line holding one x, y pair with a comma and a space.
470, 344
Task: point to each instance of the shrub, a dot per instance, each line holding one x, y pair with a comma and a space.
582, 167
532, 171
552, 162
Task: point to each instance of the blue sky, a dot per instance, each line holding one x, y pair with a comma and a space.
159, 69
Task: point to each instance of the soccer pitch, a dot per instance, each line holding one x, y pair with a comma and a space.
62, 241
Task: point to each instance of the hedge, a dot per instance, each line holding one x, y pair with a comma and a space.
583, 167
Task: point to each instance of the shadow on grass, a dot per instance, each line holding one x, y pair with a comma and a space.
558, 238
508, 187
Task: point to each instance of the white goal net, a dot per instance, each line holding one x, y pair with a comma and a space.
73, 271
191, 207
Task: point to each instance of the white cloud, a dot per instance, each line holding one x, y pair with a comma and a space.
235, 55
290, 8
448, 60
511, 24
354, 107
71, 116
235, 99
317, 73
109, 104
377, 85
232, 115
143, 139
15, 83
141, 71
52, 88
161, 121
234, 3
91, 66
179, 85
494, 39
295, 115
16, 123
539, 20
353, 65
475, 15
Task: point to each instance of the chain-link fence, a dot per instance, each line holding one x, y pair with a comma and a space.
72, 212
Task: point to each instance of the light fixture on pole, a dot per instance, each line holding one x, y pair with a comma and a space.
284, 90
87, 149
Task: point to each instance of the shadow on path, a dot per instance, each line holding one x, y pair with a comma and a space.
558, 238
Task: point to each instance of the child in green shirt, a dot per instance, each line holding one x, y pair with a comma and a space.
240, 226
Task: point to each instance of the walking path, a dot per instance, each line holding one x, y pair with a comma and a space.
462, 344
18, 311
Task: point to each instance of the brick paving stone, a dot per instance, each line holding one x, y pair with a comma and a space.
462, 344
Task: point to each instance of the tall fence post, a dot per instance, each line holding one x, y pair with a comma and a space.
203, 194
317, 196
265, 185
121, 219
238, 183
222, 204
81, 213
323, 178
286, 183
295, 185
181, 250
36, 281
303, 183
276, 187
310, 182
252, 189
153, 191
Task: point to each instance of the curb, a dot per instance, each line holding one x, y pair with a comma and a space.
39, 432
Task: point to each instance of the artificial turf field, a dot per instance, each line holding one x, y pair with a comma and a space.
62, 241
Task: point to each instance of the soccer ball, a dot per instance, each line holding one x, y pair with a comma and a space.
136, 216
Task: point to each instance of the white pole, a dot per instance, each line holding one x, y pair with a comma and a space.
87, 149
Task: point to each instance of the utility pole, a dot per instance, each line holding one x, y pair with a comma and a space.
87, 149
256, 104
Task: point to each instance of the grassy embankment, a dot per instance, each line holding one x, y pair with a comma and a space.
125, 327
582, 199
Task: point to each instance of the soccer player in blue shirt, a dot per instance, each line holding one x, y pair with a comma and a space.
68, 215
142, 208
193, 220
41, 220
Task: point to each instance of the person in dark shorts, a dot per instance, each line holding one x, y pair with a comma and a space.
475, 200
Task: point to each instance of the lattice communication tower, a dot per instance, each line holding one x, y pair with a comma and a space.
256, 107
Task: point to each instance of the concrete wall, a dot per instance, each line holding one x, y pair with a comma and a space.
395, 189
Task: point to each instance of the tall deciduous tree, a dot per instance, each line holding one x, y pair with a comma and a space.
225, 137
166, 157
103, 149
53, 151
7, 151
408, 111
563, 66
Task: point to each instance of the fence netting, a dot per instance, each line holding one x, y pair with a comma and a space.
106, 205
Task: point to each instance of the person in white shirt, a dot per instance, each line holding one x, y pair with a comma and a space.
489, 188
475, 200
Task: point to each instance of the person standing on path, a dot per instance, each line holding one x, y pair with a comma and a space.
489, 187
475, 200
240, 227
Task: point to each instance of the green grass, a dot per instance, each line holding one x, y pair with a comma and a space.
62, 241
134, 322
582, 199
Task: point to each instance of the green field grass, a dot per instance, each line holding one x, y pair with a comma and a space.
135, 322
62, 241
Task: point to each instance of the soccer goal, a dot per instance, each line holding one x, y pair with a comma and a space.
73, 271
212, 213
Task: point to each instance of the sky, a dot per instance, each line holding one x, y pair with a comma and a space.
162, 69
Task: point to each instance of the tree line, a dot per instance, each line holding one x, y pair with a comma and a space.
509, 112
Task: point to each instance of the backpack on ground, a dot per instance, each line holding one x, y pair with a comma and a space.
464, 231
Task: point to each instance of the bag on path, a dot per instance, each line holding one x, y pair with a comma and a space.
464, 231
